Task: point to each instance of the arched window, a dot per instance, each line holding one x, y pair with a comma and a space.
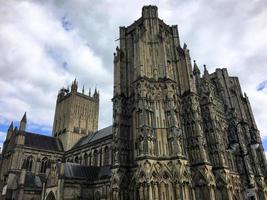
95, 158
90, 159
76, 159
85, 159
29, 162
106, 156
100, 157
44, 164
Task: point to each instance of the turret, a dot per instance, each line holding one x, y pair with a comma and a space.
23, 122
74, 86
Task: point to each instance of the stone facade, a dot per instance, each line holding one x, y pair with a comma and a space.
173, 128
76, 115
176, 134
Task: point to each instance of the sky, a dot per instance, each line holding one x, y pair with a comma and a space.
44, 45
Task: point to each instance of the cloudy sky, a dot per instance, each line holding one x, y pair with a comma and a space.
44, 45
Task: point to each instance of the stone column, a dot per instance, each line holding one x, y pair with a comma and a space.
177, 191
162, 191
171, 191
141, 194
229, 195
211, 192
150, 192
156, 191
146, 191
115, 194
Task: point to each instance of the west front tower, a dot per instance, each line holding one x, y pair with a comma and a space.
153, 74
76, 115
174, 131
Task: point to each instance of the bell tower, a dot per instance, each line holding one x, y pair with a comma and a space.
76, 115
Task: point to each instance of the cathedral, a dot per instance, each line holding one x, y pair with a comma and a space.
176, 134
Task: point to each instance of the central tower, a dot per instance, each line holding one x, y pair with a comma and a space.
76, 115
153, 83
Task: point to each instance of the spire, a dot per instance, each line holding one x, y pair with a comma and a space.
11, 127
24, 118
23, 122
74, 86
10, 131
196, 69
89, 92
96, 93
83, 89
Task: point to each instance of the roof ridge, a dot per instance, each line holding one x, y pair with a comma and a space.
38, 134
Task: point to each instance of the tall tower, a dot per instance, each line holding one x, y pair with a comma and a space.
173, 129
76, 115
153, 81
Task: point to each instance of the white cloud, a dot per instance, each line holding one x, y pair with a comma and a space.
35, 46
38, 56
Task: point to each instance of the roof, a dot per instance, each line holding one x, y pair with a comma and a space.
74, 170
42, 142
94, 136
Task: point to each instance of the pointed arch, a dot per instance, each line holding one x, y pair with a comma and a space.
106, 156
29, 163
51, 196
44, 165
85, 159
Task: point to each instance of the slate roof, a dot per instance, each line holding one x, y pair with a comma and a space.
74, 170
94, 136
42, 142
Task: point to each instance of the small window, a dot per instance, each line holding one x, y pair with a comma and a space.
44, 165
29, 162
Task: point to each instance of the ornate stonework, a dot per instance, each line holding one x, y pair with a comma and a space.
176, 135
173, 128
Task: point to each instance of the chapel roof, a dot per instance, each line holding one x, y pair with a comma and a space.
42, 142
105, 132
77, 171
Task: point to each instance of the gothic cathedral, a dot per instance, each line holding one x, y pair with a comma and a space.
176, 134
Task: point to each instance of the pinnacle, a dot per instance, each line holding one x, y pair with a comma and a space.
24, 118
205, 70
196, 69
11, 126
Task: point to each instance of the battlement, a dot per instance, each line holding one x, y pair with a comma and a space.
64, 93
